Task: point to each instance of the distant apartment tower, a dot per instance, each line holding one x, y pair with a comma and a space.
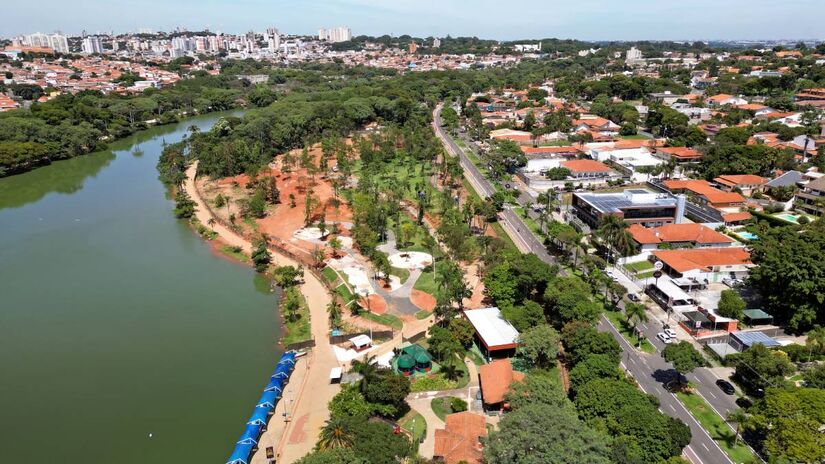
634, 54
436, 42
272, 39
56, 42
92, 44
336, 34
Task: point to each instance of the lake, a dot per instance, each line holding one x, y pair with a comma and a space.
117, 321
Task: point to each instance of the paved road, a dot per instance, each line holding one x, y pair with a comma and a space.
649, 370
525, 240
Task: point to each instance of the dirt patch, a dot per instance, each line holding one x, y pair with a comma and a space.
422, 300
376, 304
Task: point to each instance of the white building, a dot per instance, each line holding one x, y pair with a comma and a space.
336, 34
92, 44
56, 42
634, 54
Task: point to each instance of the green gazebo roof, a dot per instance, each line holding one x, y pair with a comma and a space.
406, 361
422, 357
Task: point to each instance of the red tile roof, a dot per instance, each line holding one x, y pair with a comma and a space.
677, 233
496, 378
585, 165
713, 195
459, 440
681, 152
703, 258
734, 180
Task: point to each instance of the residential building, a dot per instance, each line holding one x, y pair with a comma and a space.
497, 338
703, 193
679, 154
687, 235
57, 42
633, 55
92, 44
706, 264
7, 104
636, 206
587, 169
495, 379
336, 34
745, 183
460, 440
723, 99
811, 198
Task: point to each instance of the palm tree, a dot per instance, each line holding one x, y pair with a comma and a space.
335, 434
367, 368
738, 417
614, 231
450, 370
335, 311
635, 313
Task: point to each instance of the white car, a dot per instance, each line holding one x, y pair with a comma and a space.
670, 333
664, 338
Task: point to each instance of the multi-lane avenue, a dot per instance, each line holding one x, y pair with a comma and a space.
649, 370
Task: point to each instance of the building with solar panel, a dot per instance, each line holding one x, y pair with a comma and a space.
636, 206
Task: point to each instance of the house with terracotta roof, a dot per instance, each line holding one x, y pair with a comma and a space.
703, 193
811, 198
460, 440
745, 183
724, 99
495, 380
679, 154
685, 235
7, 104
585, 168
711, 264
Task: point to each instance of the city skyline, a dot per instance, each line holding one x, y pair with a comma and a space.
596, 21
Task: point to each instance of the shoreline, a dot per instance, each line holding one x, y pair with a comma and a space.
297, 437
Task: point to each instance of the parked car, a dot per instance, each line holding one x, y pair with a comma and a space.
733, 283
670, 333
726, 386
664, 338
743, 402
633, 297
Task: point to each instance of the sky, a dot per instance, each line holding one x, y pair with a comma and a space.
492, 19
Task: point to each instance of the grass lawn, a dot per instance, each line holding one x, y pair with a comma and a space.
402, 274
344, 293
639, 266
619, 321
299, 329
426, 283
422, 315
441, 406
503, 235
644, 275
415, 424
329, 275
385, 319
717, 428
234, 253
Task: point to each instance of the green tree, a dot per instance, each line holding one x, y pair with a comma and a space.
684, 357
597, 366
184, 206
539, 345
545, 433
260, 254
786, 424
635, 313
335, 311
761, 367
463, 331
731, 305
335, 434
287, 276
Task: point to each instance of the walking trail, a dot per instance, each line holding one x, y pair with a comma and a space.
309, 390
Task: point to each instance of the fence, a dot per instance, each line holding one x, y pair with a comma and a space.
415, 337
300, 345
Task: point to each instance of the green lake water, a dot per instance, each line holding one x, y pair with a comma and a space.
117, 321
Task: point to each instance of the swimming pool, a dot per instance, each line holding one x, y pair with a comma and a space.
748, 236
787, 217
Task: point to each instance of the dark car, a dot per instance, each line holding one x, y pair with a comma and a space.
743, 402
633, 297
726, 386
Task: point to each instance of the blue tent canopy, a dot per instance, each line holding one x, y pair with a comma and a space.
259, 416
268, 399
280, 375
251, 434
275, 385
240, 455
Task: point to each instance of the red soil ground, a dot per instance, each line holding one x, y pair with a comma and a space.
376, 304
423, 300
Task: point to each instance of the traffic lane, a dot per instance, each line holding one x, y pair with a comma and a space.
648, 372
705, 379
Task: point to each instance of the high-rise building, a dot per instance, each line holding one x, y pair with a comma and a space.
336, 34
92, 44
436, 42
634, 54
56, 42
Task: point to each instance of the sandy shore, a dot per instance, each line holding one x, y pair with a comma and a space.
309, 390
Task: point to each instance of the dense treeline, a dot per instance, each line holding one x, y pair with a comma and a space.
72, 125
